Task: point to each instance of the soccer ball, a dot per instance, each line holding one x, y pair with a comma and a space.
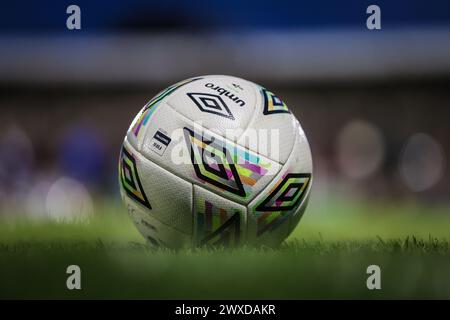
215, 160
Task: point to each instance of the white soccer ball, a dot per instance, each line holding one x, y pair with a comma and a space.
215, 160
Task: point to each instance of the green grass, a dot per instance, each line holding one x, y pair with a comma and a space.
326, 257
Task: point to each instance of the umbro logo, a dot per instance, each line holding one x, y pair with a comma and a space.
226, 93
211, 103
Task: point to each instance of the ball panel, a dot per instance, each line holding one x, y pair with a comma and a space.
270, 214
164, 141
137, 129
154, 231
218, 221
165, 196
221, 104
274, 126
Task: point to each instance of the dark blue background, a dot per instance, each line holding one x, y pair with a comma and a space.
139, 15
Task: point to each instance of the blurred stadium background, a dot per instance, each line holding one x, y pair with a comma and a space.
374, 104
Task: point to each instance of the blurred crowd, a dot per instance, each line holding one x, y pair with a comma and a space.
367, 141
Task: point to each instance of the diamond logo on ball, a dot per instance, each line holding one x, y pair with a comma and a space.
213, 162
211, 103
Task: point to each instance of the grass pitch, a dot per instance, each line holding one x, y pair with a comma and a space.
326, 257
